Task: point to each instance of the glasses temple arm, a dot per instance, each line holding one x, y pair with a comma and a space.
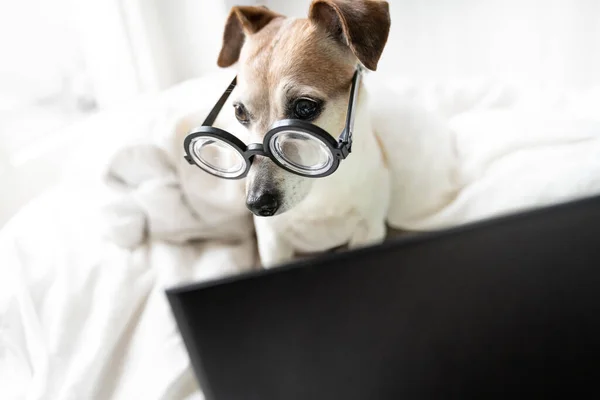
346, 136
214, 113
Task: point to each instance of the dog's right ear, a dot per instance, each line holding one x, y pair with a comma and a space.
362, 25
242, 21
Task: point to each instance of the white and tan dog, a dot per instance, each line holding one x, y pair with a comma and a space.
302, 69
400, 172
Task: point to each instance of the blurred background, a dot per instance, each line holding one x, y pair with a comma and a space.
65, 60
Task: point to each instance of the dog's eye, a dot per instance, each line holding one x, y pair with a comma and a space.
306, 109
241, 114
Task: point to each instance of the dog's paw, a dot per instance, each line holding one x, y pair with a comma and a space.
368, 233
273, 250
125, 223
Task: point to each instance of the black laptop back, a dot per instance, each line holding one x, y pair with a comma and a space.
498, 309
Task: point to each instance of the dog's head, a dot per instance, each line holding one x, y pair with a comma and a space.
297, 69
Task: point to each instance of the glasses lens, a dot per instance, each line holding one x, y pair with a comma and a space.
301, 152
217, 157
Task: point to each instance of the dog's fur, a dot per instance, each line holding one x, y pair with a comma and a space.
281, 59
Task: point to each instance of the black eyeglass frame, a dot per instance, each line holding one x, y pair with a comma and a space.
340, 148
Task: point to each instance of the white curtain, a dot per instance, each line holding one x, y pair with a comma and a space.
141, 46
61, 59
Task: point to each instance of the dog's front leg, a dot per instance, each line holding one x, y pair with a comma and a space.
273, 249
369, 232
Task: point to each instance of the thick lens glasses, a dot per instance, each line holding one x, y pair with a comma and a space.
294, 145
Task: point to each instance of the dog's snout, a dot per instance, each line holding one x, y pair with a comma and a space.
263, 204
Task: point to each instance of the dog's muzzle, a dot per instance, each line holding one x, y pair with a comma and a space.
263, 204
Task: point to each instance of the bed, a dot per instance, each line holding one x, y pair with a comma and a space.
82, 317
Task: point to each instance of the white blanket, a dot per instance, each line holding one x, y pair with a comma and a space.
85, 319
82, 318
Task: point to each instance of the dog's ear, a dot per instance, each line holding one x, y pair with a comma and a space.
362, 25
242, 21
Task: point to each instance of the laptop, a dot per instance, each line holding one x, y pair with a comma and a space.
508, 307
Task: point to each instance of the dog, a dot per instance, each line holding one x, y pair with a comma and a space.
401, 171
280, 61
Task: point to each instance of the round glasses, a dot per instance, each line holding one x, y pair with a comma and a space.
294, 145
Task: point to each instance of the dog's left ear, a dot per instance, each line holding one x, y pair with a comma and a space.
241, 22
362, 25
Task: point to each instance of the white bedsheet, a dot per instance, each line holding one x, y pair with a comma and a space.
84, 319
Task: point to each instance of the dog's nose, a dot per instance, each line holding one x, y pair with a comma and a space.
264, 205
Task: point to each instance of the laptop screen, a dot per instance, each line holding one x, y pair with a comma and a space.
504, 307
